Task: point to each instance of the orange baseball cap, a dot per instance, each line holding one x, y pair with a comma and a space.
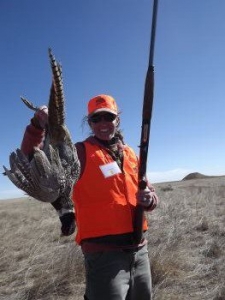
102, 103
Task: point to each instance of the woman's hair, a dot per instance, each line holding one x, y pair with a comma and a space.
119, 135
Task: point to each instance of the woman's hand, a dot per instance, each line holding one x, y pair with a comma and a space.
40, 118
147, 198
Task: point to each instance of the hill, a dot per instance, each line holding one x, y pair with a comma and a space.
186, 246
197, 175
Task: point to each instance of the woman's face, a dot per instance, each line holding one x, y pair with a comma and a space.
103, 125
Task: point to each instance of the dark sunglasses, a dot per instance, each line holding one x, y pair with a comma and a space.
107, 117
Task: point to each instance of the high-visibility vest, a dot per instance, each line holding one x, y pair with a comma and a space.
104, 200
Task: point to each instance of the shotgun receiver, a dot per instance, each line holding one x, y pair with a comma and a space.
145, 128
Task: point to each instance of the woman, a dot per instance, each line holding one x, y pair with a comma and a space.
104, 199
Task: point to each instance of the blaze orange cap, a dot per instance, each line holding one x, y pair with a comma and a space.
102, 103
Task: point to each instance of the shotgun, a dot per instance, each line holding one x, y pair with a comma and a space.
145, 129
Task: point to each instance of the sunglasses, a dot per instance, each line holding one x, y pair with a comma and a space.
107, 117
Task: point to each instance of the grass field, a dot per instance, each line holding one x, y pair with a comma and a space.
186, 247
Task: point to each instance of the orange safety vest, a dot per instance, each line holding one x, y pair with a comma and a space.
105, 205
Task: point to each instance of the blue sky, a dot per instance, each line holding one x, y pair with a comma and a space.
103, 46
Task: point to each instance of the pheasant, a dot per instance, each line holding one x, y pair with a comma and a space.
52, 171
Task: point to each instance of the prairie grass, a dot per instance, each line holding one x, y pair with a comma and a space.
186, 247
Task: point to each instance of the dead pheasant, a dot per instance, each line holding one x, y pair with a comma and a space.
53, 170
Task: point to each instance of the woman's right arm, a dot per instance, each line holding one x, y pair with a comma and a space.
34, 134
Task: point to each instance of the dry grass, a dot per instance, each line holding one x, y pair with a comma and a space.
187, 237
36, 263
186, 246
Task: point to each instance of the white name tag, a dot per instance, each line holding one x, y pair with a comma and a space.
110, 169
